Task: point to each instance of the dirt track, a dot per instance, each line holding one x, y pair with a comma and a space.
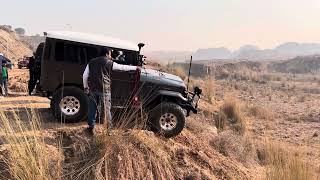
22, 105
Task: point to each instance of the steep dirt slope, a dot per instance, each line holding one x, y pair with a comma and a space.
12, 47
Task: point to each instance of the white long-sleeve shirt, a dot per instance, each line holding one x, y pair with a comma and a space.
85, 77
115, 66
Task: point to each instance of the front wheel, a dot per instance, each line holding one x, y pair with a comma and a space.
70, 104
167, 119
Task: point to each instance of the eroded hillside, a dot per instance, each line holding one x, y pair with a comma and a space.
12, 47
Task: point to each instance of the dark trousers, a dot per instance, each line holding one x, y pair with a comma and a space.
99, 107
32, 83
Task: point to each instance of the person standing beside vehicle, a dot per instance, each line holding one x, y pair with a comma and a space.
97, 83
4, 79
32, 80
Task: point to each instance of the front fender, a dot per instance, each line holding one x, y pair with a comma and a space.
182, 101
172, 94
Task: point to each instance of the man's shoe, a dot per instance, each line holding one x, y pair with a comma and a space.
89, 130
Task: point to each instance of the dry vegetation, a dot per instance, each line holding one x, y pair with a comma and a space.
231, 116
25, 154
284, 164
244, 130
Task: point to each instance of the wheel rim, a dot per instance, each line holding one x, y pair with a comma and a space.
168, 121
69, 105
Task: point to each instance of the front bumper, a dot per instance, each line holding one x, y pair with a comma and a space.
192, 101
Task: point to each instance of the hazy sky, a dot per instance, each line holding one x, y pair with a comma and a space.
174, 24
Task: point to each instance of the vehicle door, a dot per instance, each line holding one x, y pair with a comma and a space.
124, 79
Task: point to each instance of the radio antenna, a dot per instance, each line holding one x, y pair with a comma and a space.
189, 74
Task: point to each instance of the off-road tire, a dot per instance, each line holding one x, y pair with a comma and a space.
70, 91
163, 108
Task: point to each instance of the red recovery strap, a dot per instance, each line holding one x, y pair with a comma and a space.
136, 98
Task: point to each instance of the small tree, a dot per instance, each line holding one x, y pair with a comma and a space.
20, 31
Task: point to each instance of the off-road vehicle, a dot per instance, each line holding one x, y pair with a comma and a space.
162, 97
23, 63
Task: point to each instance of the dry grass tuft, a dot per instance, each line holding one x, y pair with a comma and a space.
259, 111
231, 115
238, 147
28, 156
208, 89
284, 164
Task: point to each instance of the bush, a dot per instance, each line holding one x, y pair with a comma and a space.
20, 31
208, 89
260, 112
238, 147
283, 164
230, 114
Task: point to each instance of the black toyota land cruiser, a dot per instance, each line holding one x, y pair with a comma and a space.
162, 97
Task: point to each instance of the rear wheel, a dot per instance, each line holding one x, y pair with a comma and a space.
70, 104
167, 119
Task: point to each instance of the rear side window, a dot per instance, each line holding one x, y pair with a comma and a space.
92, 52
72, 53
59, 51
68, 52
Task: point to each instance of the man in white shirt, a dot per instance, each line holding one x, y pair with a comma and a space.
96, 82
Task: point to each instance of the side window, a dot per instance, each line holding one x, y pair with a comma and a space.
92, 52
68, 52
72, 53
59, 51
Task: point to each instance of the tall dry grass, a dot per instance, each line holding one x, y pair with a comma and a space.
208, 89
231, 115
28, 156
122, 155
260, 112
232, 145
284, 164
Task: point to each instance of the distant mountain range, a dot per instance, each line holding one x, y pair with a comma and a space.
282, 52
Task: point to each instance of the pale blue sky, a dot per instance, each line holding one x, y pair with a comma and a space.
174, 24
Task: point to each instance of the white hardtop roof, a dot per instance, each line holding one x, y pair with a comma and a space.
94, 39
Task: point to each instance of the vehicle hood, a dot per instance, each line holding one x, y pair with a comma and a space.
158, 77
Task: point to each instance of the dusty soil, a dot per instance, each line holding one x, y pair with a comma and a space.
287, 111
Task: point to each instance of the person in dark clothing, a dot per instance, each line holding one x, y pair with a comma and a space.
97, 83
32, 79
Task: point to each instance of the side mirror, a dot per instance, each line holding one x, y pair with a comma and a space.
140, 45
